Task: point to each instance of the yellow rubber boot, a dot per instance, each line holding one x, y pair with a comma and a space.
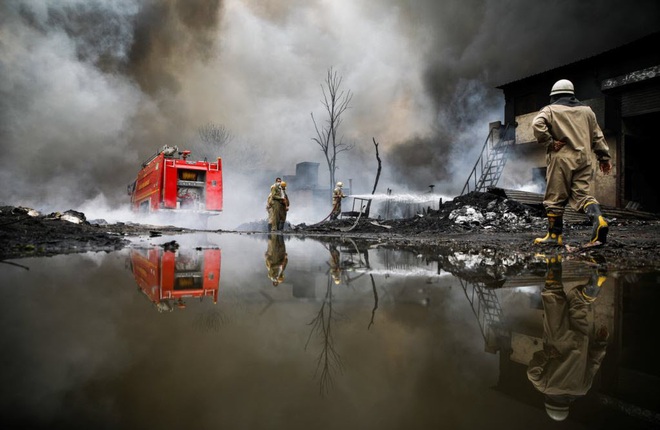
554, 235
600, 226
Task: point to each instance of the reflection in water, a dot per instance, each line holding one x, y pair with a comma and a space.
351, 268
329, 360
573, 349
352, 265
167, 277
335, 264
400, 347
276, 258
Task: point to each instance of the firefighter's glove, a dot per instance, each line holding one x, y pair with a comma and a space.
602, 334
556, 145
605, 167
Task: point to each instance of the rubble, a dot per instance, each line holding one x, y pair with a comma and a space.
24, 232
479, 224
472, 211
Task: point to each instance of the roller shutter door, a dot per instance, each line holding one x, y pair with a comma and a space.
641, 101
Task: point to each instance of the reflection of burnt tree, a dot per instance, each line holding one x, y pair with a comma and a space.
373, 311
329, 360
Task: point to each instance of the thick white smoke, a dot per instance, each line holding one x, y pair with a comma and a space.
90, 88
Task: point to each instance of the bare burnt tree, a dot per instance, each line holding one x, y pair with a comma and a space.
379, 166
212, 139
335, 101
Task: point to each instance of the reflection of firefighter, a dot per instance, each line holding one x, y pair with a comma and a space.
276, 258
572, 349
335, 265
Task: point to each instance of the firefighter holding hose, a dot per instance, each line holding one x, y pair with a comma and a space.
337, 195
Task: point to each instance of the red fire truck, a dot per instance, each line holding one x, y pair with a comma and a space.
170, 182
167, 278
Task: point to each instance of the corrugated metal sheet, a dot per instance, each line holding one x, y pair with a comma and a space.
572, 217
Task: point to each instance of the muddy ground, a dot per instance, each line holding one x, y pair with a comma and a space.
477, 223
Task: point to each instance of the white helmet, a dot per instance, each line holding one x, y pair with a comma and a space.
340, 184
557, 413
562, 86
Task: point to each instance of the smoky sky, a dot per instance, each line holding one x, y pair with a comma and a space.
91, 88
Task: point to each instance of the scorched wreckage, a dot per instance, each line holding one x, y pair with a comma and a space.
170, 183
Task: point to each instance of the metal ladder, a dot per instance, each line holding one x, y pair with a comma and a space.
490, 164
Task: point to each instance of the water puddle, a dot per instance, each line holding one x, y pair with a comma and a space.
269, 331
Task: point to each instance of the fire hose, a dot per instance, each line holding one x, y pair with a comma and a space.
354, 224
328, 216
343, 229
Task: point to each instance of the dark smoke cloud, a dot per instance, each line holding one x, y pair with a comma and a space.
90, 88
491, 43
167, 35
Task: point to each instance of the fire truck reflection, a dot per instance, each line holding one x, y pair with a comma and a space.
167, 278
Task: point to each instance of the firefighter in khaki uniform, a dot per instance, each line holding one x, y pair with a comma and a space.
570, 133
285, 201
269, 202
277, 206
337, 195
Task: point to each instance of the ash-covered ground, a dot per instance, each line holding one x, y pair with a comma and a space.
486, 224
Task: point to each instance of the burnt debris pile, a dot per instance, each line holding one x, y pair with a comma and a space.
475, 210
27, 232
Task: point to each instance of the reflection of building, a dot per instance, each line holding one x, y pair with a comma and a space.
167, 278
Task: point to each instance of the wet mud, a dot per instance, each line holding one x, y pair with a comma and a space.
483, 224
